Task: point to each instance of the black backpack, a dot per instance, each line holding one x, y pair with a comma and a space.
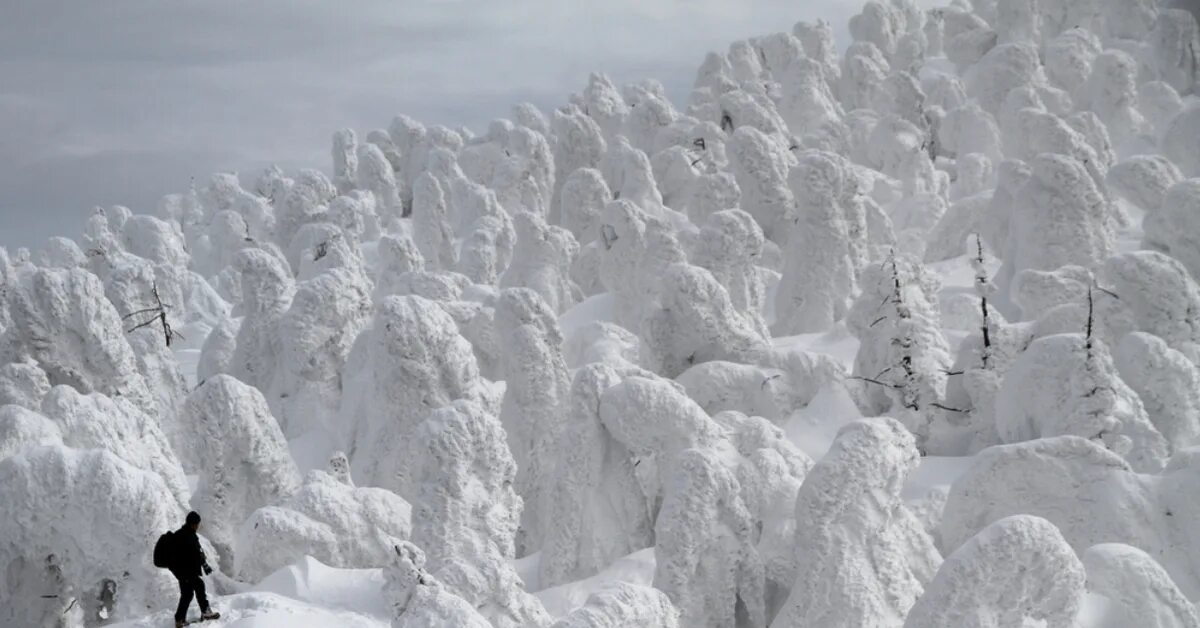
164, 550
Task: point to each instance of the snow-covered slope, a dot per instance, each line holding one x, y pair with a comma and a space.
896, 331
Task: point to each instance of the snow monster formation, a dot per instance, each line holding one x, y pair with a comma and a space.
889, 323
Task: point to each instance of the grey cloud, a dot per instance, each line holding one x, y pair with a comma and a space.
120, 101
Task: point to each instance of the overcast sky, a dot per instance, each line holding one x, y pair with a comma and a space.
121, 101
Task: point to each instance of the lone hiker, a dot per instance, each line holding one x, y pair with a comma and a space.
187, 561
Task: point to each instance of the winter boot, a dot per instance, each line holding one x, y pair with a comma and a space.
210, 614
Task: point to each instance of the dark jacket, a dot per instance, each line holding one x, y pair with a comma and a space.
189, 558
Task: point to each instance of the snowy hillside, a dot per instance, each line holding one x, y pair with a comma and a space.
905, 336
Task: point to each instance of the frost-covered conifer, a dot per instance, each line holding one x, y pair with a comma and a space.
1016, 571
63, 322
1154, 293
410, 361
466, 512
695, 321
23, 384
623, 604
1139, 587
420, 600
761, 168
345, 160
315, 334
244, 460
304, 202
75, 537
267, 291
541, 259
1143, 180
1068, 384
706, 561
903, 357
730, 247
813, 301
328, 518
430, 228
851, 526
94, 421
596, 502
1175, 45
1060, 218
1166, 382
1172, 228
535, 398
375, 174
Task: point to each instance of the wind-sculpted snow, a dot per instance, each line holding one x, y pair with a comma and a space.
546, 347
1016, 571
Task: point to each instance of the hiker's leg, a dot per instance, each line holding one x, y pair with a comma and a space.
201, 596
185, 598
